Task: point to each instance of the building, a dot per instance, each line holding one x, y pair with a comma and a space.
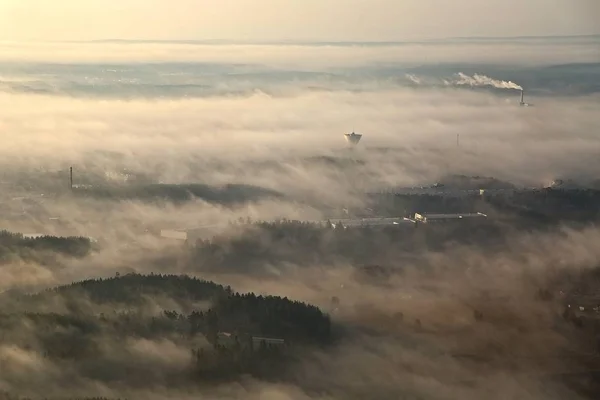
192, 234
377, 221
228, 339
257, 341
177, 234
429, 218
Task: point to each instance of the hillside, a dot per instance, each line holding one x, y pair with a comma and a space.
155, 192
104, 326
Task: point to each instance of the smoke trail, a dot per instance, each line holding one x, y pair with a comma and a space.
413, 78
482, 80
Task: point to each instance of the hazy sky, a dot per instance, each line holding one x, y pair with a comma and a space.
293, 19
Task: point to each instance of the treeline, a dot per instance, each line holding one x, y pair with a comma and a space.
263, 244
551, 205
225, 362
109, 342
132, 288
395, 205
8, 396
263, 315
179, 193
541, 206
16, 246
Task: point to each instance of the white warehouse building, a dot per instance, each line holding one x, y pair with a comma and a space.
446, 217
192, 234
362, 222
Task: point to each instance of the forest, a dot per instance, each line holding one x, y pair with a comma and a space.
177, 330
533, 208
229, 194
104, 317
13, 246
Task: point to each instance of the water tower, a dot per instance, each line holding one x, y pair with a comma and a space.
353, 138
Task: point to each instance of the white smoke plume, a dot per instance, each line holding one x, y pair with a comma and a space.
414, 79
482, 80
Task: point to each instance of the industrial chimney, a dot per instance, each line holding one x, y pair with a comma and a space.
71, 178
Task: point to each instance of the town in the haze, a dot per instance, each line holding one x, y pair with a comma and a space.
334, 200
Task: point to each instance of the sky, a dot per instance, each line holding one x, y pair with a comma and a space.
274, 20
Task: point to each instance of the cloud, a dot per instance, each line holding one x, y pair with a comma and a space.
289, 140
307, 57
161, 352
285, 135
514, 347
18, 359
181, 140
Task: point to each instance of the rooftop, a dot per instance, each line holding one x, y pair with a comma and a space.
431, 216
377, 221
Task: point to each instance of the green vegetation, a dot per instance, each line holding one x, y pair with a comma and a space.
178, 194
132, 289
552, 206
106, 317
174, 331
7, 396
15, 246
532, 207
259, 245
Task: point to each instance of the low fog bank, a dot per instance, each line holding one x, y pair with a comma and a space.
461, 310
207, 81
463, 323
309, 56
457, 310
142, 166
517, 261
282, 144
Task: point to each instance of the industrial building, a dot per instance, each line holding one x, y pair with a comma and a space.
440, 191
176, 234
428, 218
364, 222
192, 234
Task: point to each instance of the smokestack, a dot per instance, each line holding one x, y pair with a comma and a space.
71, 177
522, 91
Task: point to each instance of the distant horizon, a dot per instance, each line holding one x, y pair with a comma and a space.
309, 21
305, 41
